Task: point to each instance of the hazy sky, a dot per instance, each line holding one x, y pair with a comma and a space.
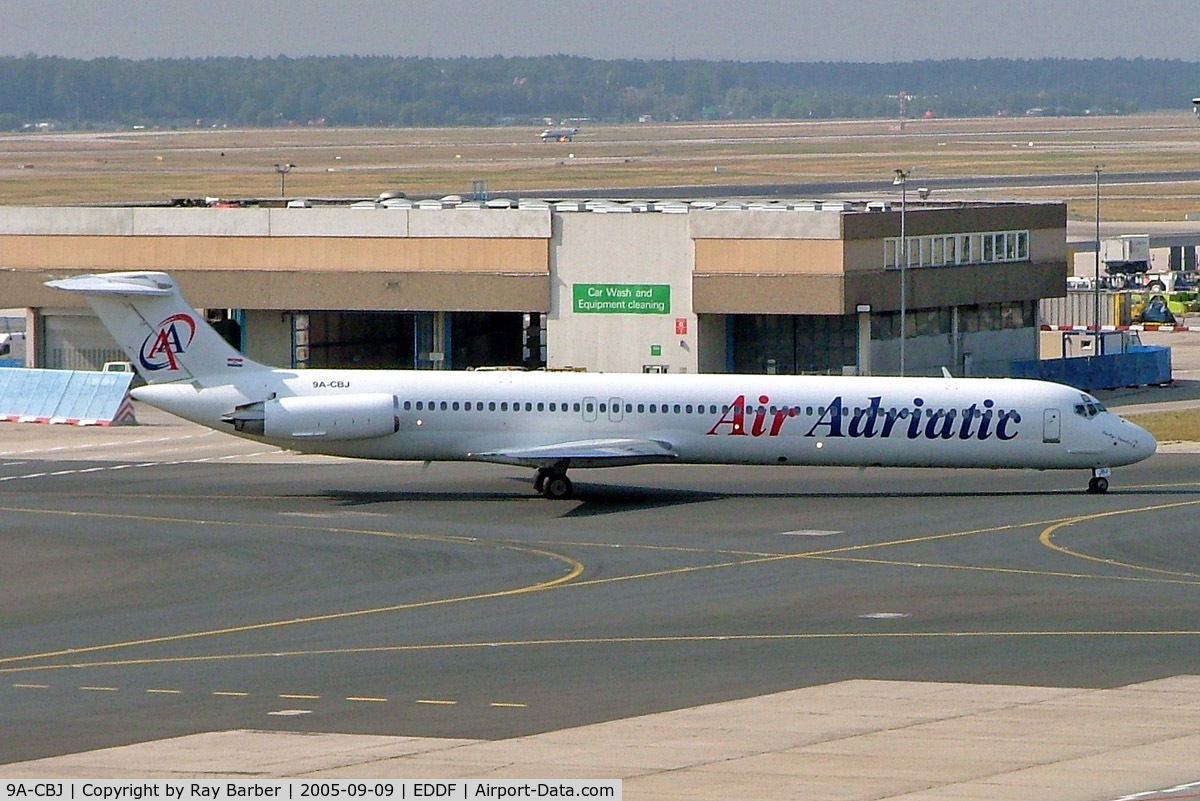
778, 30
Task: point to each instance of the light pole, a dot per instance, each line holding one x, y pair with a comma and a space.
1097, 169
283, 170
901, 181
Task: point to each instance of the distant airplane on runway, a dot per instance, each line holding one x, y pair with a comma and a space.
553, 421
559, 134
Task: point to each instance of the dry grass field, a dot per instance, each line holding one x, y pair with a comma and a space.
149, 166
1176, 426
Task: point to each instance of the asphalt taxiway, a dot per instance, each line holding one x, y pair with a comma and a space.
163, 580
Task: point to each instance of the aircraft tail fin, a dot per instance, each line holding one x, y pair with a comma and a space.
164, 337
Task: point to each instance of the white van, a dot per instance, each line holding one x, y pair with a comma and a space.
12, 349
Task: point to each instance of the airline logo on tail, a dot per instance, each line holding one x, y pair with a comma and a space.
170, 338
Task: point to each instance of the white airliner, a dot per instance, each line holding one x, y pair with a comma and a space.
553, 421
559, 134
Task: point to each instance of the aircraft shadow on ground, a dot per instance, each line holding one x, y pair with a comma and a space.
602, 499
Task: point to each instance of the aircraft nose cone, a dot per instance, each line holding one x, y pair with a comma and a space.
1144, 443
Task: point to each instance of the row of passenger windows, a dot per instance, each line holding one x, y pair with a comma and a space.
552, 406
661, 408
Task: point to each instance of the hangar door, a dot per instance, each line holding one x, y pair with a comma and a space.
75, 342
408, 340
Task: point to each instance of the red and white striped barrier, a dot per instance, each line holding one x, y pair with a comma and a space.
1139, 327
123, 417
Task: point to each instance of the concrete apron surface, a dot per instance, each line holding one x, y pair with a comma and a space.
850, 740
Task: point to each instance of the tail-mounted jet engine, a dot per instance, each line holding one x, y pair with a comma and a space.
327, 417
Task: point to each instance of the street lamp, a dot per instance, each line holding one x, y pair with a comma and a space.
901, 181
283, 170
1097, 169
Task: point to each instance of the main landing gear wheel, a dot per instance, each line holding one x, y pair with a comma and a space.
1098, 485
555, 486
553, 482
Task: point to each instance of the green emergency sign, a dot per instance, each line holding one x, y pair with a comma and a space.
621, 298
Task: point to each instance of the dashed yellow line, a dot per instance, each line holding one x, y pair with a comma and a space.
362, 699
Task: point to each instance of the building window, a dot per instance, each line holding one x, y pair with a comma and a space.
992, 247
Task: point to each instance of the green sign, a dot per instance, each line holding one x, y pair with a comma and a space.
656, 350
621, 298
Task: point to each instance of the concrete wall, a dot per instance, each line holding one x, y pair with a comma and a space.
255, 222
983, 353
621, 249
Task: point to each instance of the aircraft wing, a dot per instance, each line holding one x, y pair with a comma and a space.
584, 453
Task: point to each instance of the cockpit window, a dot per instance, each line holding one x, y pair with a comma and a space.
1090, 407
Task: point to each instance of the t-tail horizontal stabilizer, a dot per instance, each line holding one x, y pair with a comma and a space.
164, 337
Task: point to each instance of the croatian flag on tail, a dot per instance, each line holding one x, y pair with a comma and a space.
233, 361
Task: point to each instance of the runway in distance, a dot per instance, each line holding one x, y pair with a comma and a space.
552, 421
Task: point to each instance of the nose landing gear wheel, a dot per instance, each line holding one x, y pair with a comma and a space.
1098, 485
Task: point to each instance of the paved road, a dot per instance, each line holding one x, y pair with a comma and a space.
164, 580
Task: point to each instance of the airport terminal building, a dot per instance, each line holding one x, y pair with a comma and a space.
748, 287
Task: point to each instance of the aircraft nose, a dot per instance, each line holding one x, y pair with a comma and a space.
1144, 444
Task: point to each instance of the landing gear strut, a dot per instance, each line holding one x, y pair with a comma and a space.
553, 483
1098, 485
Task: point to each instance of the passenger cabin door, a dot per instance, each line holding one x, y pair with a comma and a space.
1051, 426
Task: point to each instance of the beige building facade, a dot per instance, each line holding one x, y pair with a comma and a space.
739, 287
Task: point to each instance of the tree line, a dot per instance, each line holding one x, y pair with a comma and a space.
369, 91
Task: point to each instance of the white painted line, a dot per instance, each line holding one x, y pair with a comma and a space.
884, 615
227, 694
290, 712
366, 699
436, 701
154, 691
299, 696
810, 532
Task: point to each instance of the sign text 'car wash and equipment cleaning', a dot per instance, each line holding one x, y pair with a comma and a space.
622, 298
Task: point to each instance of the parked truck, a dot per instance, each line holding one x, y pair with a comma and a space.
1126, 257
